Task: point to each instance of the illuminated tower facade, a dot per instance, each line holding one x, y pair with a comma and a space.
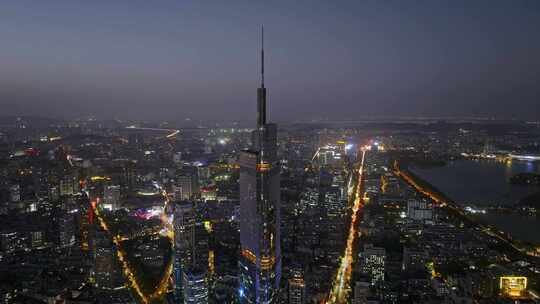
184, 241
297, 287
260, 258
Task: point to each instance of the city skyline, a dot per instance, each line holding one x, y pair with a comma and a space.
192, 60
378, 153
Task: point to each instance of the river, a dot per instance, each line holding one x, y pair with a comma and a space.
485, 183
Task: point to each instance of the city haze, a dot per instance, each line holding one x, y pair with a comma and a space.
189, 59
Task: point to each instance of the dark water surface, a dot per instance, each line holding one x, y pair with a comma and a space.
480, 182
485, 183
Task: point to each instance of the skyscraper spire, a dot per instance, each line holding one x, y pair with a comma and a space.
262, 56
261, 92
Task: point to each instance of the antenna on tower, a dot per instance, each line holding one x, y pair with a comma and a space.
262, 56
261, 92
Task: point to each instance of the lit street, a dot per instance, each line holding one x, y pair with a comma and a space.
341, 286
129, 273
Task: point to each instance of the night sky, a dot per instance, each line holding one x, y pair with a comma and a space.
168, 60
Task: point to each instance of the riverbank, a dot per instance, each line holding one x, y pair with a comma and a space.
441, 199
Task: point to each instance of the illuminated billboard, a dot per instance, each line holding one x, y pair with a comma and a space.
513, 286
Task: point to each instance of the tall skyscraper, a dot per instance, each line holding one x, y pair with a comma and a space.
185, 185
195, 286
111, 197
66, 229
184, 240
297, 287
260, 258
107, 273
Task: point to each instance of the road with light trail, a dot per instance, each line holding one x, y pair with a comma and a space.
341, 286
172, 132
129, 273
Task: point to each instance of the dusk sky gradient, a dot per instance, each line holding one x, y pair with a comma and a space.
168, 60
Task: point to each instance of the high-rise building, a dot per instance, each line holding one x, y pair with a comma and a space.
361, 292
297, 287
184, 240
68, 185
203, 173
200, 253
12, 240
414, 259
66, 229
373, 263
185, 187
54, 193
111, 197
260, 258
176, 191
15, 193
419, 210
177, 157
107, 274
136, 140
195, 286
